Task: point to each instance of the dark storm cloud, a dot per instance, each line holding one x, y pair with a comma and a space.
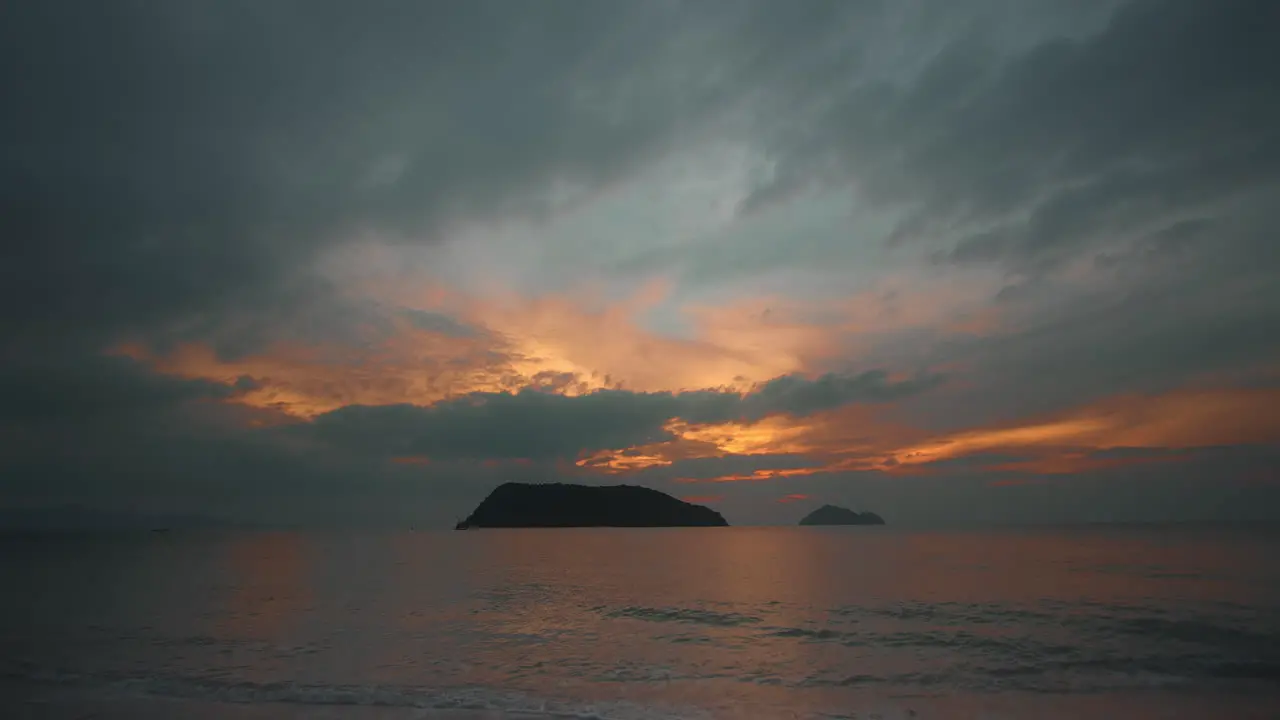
796, 395
528, 424
539, 424
979, 461
1172, 107
181, 161
50, 390
112, 437
172, 163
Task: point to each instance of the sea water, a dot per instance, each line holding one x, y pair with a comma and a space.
644, 624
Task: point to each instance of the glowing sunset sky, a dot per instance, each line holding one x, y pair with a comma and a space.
360, 262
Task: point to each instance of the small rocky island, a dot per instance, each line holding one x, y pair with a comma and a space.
560, 505
833, 515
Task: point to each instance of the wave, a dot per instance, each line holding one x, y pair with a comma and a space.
1196, 630
813, 634
1065, 675
683, 615
1092, 617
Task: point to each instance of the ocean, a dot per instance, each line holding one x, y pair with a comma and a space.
736, 623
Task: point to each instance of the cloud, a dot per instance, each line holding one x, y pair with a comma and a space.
437, 323
1120, 431
394, 354
1110, 432
230, 142
307, 257
189, 445
171, 175
796, 395
130, 441
538, 424
38, 390
1066, 137
696, 469
1122, 174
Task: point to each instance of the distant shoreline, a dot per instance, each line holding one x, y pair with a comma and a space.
13, 530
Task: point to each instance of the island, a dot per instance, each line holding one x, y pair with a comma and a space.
561, 505
833, 515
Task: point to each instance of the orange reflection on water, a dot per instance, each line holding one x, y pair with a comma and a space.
270, 585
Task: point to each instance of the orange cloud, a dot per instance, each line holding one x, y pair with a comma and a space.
793, 497
1177, 420
561, 334
575, 343
859, 438
843, 436
570, 342
409, 365
775, 434
556, 341
773, 474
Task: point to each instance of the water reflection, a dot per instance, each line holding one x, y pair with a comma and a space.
269, 586
758, 622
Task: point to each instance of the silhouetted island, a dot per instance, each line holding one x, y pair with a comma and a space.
833, 515
559, 505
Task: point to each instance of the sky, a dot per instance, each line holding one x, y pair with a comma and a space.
328, 262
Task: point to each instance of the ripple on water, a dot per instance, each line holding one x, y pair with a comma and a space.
682, 615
